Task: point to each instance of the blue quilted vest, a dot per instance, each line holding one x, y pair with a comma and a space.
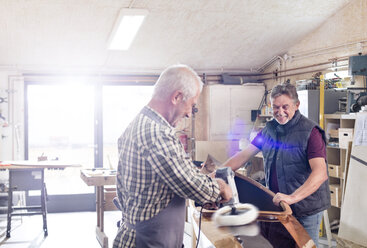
291, 161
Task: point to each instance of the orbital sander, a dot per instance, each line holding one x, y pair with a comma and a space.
233, 213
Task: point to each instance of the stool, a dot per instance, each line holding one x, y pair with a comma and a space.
26, 180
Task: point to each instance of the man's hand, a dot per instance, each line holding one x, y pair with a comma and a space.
210, 206
225, 190
289, 199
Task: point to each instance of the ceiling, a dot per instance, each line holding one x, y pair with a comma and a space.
209, 35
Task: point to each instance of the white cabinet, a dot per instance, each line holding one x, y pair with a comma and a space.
230, 110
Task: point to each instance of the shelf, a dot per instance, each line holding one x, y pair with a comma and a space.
333, 147
351, 116
337, 162
335, 171
336, 147
335, 206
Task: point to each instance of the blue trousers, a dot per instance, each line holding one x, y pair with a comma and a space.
312, 225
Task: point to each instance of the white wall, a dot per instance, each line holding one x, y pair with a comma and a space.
342, 35
12, 129
230, 110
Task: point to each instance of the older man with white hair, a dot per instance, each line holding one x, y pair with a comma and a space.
154, 176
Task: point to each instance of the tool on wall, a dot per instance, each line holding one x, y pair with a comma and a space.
3, 121
3, 99
322, 98
356, 98
194, 111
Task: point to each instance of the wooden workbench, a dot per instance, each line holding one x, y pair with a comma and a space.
99, 178
28, 164
25, 175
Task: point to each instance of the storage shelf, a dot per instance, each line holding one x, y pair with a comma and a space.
337, 161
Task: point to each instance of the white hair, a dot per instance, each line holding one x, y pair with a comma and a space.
177, 77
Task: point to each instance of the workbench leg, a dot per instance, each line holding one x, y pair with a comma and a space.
98, 207
327, 227
10, 209
44, 209
101, 236
101, 195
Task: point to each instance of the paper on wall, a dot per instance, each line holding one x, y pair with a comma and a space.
360, 132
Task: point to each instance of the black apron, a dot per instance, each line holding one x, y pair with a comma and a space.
166, 229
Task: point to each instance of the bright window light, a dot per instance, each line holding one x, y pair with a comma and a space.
126, 27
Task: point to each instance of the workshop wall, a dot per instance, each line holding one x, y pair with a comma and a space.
12, 112
342, 35
224, 118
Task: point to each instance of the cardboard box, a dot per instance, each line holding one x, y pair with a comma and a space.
334, 171
334, 133
335, 195
345, 136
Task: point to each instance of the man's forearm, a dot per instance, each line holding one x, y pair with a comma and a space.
236, 161
240, 158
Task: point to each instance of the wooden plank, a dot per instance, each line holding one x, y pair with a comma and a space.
346, 168
256, 194
210, 234
98, 177
102, 238
353, 217
25, 164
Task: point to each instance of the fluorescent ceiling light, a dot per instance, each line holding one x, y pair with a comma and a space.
125, 28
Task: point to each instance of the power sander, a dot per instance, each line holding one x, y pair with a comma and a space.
233, 213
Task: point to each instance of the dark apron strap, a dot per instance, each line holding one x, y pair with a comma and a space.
166, 229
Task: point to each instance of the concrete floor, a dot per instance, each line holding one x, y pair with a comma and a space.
70, 230
64, 230
323, 243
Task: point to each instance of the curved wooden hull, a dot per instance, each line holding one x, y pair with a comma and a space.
277, 223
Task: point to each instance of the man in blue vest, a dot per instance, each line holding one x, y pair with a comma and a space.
293, 148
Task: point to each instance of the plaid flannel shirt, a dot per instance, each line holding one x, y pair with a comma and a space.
153, 168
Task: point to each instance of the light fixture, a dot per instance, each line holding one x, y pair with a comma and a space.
125, 28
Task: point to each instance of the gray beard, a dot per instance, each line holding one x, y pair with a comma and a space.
282, 123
